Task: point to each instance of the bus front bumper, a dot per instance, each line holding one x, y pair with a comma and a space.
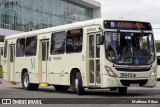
129, 82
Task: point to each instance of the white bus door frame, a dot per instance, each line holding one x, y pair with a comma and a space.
12, 60
45, 49
94, 60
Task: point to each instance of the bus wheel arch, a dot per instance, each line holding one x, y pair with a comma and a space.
26, 81
76, 83
73, 73
23, 72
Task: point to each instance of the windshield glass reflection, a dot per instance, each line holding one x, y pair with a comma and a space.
129, 48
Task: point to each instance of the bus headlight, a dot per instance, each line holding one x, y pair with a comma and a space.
110, 72
154, 73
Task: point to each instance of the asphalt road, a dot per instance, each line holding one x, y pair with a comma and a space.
15, 91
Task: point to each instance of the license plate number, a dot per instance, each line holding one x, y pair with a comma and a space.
134, 85
127, 75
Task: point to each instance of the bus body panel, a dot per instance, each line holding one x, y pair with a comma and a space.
158, 71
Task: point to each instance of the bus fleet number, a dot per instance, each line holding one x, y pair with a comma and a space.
124, 75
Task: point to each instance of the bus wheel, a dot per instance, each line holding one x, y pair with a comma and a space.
122, 90
26, 85
61, 88
78, 84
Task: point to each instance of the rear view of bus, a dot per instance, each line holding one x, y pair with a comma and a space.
130, 54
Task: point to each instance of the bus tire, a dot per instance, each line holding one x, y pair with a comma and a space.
79, 85
26, 84
122, 90
61, 88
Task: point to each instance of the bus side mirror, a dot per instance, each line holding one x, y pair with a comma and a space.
100, 40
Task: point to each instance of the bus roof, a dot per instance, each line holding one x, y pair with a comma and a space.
67, 27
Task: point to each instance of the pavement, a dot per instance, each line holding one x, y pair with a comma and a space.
16, 91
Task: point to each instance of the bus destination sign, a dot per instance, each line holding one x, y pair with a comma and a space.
127, 25
75, 32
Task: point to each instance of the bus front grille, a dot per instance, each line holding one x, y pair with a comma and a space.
128, 82
133, 69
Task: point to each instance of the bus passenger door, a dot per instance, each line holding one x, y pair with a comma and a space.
94, 60
1, 56
45, 47
12, 60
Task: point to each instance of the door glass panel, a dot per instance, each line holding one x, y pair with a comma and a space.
43, 51
91, 46
97, 48
91, 71
12, 54
97, 51
91, 61
45, 46
98, 76
47, 50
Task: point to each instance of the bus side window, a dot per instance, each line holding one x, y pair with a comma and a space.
58, 43
20, 47
31, 46
74, 43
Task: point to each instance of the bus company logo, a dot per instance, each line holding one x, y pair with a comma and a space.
137, 60
33, 63
6, 101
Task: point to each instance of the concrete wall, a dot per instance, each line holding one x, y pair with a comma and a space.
4, 32
97, 13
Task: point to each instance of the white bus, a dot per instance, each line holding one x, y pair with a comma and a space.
93, 54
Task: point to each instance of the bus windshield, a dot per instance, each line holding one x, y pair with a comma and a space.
129, 48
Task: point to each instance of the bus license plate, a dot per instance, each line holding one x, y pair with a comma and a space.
127, 75
134, 85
